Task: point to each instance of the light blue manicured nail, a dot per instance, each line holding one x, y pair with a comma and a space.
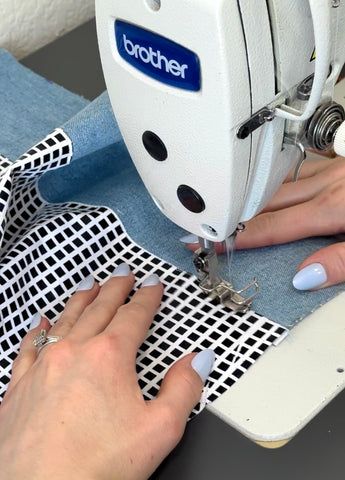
86, 284
190, 239
203, 364
151, 281
122, 270
312, 276
35, 321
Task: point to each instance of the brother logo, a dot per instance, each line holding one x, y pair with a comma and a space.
158, 57
148, 55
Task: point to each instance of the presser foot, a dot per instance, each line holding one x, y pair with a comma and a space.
206, 263
228, 296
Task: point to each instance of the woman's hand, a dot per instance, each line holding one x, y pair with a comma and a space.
313, 206
75, 410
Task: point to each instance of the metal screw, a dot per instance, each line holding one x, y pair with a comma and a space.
241, 228
335, 3
154, 5
199, 263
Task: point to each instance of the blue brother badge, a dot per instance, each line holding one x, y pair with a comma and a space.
158, 57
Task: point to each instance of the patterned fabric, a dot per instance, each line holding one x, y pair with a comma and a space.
48, 249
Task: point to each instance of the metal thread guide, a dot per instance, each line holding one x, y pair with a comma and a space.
206, 264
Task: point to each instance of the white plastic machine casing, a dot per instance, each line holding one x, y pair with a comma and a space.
246, 60
195, 126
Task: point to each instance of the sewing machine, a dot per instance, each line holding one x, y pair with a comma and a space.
217, 101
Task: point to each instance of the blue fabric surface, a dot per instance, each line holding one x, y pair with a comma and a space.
108, 177
30, 106
93, 129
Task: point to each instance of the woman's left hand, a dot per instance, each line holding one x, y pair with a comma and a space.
313, 206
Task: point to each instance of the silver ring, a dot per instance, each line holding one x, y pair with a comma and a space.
42, 340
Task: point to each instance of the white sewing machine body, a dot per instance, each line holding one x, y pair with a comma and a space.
186, 79
191, 73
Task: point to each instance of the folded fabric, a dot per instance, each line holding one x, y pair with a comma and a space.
48, 249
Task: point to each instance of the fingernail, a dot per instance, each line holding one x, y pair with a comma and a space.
122, 270
151, 281
312, 276
35, 321
86, 284
190, 239
203, 364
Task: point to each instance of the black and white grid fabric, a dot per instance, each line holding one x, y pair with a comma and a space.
48, 249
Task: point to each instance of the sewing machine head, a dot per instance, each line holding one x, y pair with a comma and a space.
216, 101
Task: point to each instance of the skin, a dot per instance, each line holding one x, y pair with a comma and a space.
75, 411
312, 206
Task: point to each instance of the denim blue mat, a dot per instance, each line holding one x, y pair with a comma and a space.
31, 107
